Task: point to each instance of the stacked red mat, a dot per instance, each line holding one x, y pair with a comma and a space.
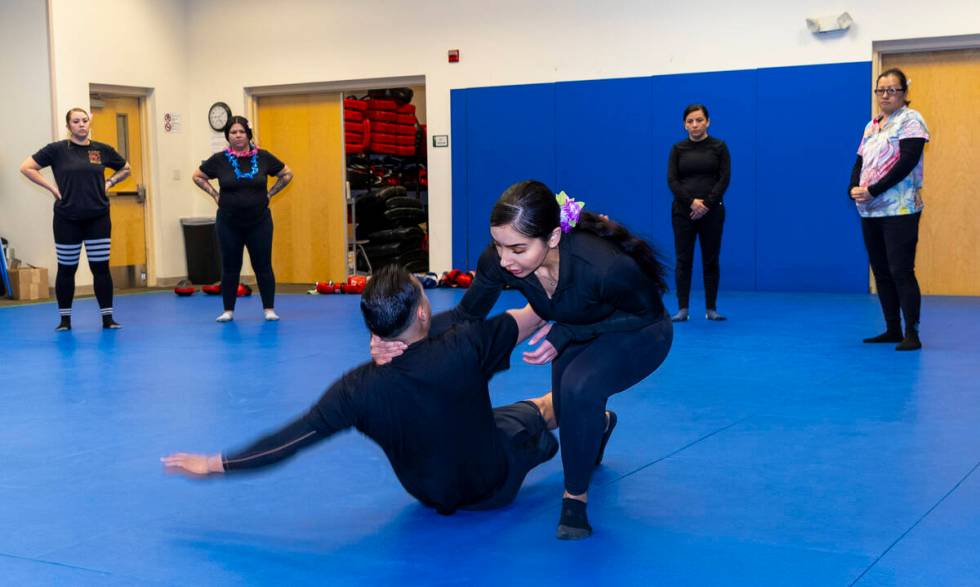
393, 127
357, 127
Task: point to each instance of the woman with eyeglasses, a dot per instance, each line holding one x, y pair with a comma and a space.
886, 184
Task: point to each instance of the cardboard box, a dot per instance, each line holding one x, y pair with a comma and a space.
29, 283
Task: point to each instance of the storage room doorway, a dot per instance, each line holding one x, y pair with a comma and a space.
387, 177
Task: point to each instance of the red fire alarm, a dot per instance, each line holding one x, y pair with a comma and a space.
454, 55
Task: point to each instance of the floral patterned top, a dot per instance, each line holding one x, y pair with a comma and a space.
879, 152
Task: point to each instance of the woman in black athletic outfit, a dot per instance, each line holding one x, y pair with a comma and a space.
601, 288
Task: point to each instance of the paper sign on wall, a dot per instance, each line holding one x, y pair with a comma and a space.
171, 122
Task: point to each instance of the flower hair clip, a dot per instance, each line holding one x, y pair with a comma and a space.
570, 211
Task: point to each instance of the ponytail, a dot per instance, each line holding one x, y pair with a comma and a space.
638, 249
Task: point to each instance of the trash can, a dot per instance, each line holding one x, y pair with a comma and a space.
201, 250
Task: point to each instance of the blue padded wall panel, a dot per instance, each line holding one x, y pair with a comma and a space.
460, 214
510, 137
810, 123
602, 138
730, 99
791, 131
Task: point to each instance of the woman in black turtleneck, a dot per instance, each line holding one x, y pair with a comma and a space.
698, 172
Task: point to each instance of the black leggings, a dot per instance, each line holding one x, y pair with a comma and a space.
708, 228
69, 235
891, 242
233, 237
584, 376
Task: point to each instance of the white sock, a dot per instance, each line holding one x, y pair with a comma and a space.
270, 314
225, 316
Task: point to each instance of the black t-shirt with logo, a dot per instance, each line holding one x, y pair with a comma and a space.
79, 171
244, 198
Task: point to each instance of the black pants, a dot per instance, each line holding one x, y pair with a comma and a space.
233, 237
891, 242
584, 376
686, 231
69, 235
527, 442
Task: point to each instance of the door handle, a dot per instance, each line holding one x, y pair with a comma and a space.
139, 192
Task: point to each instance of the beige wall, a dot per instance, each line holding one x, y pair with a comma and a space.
194, 52
26, 126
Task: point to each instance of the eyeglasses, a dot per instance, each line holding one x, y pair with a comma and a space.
888, 91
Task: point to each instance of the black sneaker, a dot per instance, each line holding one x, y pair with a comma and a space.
886, 336
574, 522
911, 342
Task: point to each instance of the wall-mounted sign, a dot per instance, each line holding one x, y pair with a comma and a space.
171, 122
440, 140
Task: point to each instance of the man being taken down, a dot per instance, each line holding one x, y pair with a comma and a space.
429, 409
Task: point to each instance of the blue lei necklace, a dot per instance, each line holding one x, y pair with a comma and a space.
234, 164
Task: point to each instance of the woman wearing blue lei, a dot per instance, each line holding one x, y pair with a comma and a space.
243, 219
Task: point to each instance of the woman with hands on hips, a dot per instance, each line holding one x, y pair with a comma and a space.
244, 219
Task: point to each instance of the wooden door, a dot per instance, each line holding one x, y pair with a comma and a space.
310, 215
116, 121
945, 87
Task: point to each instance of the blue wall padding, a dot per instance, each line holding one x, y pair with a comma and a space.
810, 124
511, 136
608, 124
792, 133
460, 201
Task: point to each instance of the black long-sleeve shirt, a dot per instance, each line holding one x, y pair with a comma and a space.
429, 410
699, 169
909, 153
600, 289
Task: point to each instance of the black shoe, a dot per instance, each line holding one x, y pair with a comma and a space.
911, 342
886, 336
574, 523
605, 436
64, 325
109, 324
680, 316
